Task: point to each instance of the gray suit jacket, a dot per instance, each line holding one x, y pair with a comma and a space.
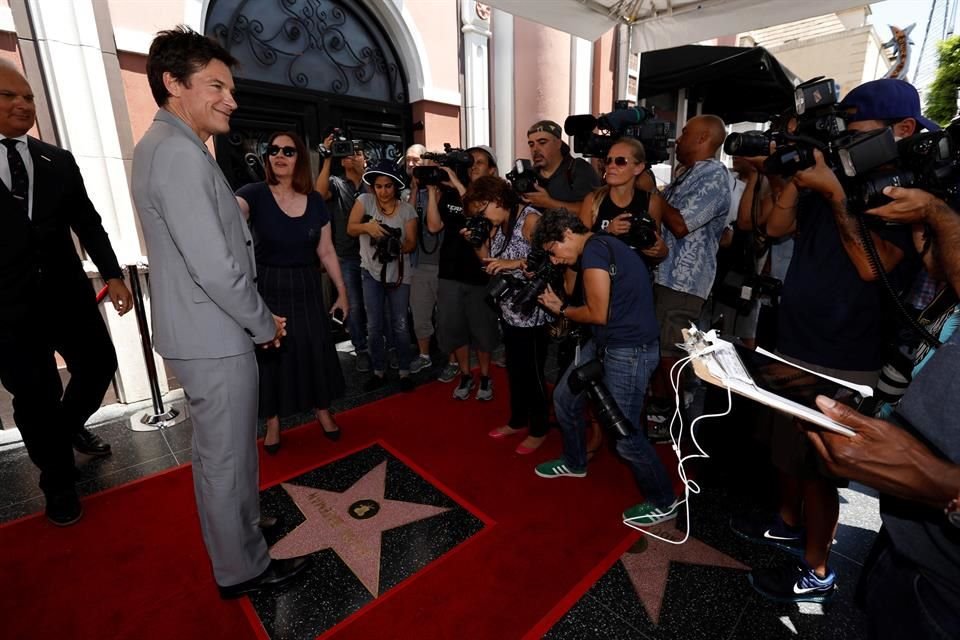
202, 272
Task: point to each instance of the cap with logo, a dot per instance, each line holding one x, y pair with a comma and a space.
886, 99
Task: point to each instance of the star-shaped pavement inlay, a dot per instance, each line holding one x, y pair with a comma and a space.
650, 567
351, 523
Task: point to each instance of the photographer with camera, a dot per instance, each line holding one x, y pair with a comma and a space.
620, 208
833, 319
693, 208
524, 325
387, 228
619, 309
910, 582
564, 181
464, 318
340, 194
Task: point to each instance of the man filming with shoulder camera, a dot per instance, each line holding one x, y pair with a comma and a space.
464, 318
832, 320
615, 364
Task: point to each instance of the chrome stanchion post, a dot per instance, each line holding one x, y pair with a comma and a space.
160, 418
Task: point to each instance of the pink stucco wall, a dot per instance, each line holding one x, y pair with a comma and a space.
439, 27
542, 80
604, 73
140, 103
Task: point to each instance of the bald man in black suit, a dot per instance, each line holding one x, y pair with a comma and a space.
49, 304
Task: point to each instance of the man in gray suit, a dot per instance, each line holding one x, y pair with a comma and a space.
207, 314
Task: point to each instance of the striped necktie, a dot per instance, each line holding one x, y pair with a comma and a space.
19, 181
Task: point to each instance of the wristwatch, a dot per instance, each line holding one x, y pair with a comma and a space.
563, 308
953, 512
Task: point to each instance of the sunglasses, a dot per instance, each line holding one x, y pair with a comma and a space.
620, 161
288, 152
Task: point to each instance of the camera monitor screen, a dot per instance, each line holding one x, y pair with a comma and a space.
793, 383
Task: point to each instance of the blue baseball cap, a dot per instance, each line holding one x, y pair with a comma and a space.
886, 99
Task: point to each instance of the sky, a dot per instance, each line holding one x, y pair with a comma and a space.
902, 13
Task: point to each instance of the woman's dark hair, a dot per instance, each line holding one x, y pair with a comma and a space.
491, 189
181, 52
302, 182
554, 224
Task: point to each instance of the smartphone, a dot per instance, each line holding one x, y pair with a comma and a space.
337, 316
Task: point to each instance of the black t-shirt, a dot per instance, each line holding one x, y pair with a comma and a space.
458, 260
572, 181
281, 240
829, 315
919, 533
609, 210
343, 195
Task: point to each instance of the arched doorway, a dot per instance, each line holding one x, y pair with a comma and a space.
308, 66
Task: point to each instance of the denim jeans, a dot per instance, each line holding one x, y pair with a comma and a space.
387, 322
626, 372
357, 319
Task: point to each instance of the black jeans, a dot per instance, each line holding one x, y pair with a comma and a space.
526, 350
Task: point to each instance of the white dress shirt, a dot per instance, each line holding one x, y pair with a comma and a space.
27, 161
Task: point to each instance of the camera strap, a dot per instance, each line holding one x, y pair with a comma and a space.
611, 269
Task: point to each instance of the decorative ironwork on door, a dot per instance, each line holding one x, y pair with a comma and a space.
319, 45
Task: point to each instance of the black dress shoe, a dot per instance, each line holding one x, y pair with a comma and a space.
277, 573
89, 443
64, 508
331, 435
272, 449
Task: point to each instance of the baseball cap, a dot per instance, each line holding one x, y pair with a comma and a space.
546, 126
384, 168
886, 99
487, 150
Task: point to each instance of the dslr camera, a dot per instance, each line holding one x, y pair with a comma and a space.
454, 158
386, 248
820, 124
523, 177
642, 233
519, 293
478, 230
589, 377
593, 136
342, 146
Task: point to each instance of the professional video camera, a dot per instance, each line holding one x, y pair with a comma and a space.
589, 377
624, 121
819, 124
388, 247
478, 230
456, 159
523, 177
519, 293
342, 146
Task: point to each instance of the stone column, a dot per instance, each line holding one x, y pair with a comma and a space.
76, 59
475, 18
503, 90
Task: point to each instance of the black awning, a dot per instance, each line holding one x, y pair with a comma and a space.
735, 83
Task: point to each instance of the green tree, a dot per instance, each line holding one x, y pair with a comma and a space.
942, 97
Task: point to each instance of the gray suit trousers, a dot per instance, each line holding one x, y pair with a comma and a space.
222, 396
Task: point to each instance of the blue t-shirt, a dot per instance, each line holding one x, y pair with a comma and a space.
280, 240
632, 321
829, 315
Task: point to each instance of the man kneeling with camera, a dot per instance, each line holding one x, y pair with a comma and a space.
619, 307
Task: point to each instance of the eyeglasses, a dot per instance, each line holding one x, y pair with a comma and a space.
288, 152
620, 161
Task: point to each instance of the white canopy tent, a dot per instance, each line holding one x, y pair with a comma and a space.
660, 24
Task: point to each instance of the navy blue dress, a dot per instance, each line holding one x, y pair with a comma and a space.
304, 373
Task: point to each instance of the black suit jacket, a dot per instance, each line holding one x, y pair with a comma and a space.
38, 257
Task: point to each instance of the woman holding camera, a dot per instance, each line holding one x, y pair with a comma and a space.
524, 330
618, 306
292, 229
387, 228
621, 208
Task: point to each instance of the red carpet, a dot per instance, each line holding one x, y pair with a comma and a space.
135, 566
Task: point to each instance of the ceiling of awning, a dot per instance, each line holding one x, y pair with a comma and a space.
659, 24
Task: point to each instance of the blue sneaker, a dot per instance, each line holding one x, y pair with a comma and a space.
793, 583
770, 530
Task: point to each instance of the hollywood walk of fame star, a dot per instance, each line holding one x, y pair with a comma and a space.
650, 569
351, 523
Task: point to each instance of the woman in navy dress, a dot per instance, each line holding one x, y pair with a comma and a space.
291, 228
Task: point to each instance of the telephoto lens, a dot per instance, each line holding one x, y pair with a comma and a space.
589, 377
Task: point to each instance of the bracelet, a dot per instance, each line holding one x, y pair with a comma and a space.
323, 151
563, 308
